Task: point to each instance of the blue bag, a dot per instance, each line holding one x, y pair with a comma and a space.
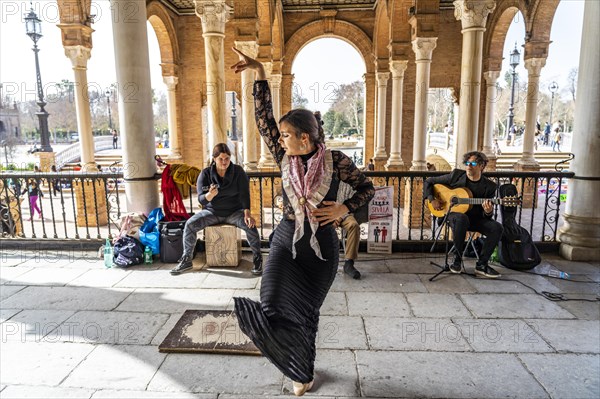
149, 234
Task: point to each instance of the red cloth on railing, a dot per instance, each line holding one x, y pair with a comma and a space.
172, 202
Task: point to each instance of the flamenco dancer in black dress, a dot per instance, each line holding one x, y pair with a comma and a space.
304, 252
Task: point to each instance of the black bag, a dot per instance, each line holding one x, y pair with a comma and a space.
128, 251
171, 241
516, 249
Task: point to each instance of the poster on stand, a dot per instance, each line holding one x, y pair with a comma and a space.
381, 214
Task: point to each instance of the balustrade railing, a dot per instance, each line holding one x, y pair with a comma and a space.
66, 195
73, 152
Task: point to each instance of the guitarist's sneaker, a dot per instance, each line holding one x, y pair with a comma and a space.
456, 266
486, 271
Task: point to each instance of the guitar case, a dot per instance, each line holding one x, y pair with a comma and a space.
516, 249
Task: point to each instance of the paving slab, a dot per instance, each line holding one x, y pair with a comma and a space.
498, 335
498, 286
581, 336
8, 290
447, 283
392, 304
9, 275
47, 276
537, 282
6, 314
21, 391
122, 328
575, 268
416, 264
252, 294
366, 265
335, 374
445, 375
43, 363
162, 279
283, 396
566, 375
341, 332
11, 258
66, 298
576, 287
116, 366
334, 304
436, 305
380, 282
101, 278
34, 325
234, 279
513, 306
166, 328
123, 394
175, 300
206, 373
410, 334
584, 310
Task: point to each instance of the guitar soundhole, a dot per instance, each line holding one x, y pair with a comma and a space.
454, 200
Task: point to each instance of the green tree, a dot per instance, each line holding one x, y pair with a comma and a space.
341, 123
349, 100
298, 101
329, 122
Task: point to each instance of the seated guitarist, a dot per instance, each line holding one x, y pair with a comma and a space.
478, 218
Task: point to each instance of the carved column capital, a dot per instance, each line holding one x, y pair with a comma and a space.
268, 65
276, 80
423, 48
491, 77
534, 66
473, 13
79, 56
397, 67
248, 47
382, 78
170, 82
213, 14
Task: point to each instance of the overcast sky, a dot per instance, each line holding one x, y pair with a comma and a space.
318, 68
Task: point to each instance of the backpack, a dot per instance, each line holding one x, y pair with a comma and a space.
516, 249
128, 251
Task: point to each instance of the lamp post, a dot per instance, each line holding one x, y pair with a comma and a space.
233, 118
553, 87
107, 93
515, 58
34, 30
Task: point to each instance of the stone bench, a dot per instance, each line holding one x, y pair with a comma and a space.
223, 245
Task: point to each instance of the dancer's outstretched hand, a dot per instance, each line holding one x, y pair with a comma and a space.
246, 62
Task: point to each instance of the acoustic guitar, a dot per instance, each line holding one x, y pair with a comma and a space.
461, 200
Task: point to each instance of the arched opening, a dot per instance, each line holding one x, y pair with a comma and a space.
336, 89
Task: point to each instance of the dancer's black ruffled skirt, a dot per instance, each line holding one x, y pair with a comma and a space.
284, 324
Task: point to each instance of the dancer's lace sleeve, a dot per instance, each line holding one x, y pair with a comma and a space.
267, 126
350, 174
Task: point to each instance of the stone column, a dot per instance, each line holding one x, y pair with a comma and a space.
79, 56
266, 161
380, 154
423, 48
491, 78
276, 94
397, 68
214, 14
580, 235
473, 16
369, 118
534, 67
249, 129
130, 43
171, 83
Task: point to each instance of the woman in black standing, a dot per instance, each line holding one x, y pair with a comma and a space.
304, 254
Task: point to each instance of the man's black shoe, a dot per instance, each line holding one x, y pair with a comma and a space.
486, 271
185, 263
350, 270
257, 261
456, 266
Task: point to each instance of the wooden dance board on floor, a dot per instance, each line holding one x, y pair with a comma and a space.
212, 331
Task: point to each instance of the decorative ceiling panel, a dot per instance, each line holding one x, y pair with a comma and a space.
311, 5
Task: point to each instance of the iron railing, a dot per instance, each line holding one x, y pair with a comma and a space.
540, 212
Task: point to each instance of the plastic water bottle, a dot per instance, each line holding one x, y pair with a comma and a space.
108, 254
147, 255
558, 274
494, 258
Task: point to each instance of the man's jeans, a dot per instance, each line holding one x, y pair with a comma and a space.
206, 218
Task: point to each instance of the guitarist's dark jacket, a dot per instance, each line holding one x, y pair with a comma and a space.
458, 178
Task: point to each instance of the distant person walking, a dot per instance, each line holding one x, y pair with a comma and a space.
115, 138
547, 129
34, 193
557, 140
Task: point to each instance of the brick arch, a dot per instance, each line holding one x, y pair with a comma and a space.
163, 26
542, 15
346, 31
497, 27
381, 33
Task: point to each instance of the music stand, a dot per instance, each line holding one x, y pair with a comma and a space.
445, 267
